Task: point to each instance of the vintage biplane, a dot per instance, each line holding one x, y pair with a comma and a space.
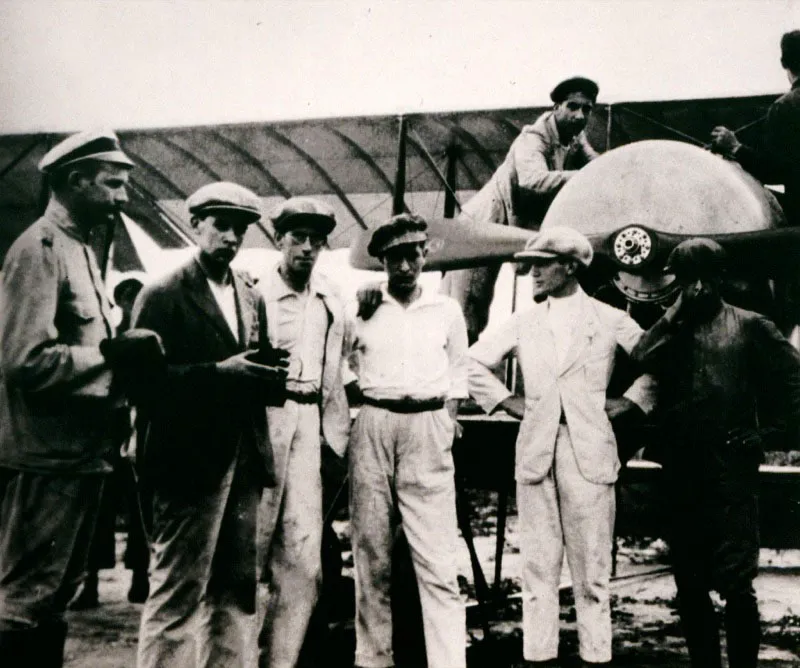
369, 167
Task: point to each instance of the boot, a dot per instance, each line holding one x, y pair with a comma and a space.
86, 597
17, 648
51, 638
140, 587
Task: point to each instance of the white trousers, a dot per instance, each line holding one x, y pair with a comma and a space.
402, 464
290, 534
566, 510
201, 609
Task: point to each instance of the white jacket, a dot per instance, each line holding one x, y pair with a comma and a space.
577, 386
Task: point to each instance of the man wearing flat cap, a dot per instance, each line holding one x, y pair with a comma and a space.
203, 454
306, 318
58, 417
728, 384
409, 360
566, 454
541, 160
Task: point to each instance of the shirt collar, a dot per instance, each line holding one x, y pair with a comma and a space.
57, 213
426, 297
570, 302
278, 288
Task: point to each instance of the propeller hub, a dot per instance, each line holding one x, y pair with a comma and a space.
632, 247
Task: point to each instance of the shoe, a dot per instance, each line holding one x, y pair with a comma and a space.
140, 587
86, 597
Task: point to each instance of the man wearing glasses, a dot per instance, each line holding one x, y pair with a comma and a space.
305, 318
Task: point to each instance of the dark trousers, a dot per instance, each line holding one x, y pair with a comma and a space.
714, 546
120, 493
46, 524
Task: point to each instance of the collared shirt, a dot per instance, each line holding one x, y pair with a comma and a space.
562, 317
298, 322
413, 352
225, 297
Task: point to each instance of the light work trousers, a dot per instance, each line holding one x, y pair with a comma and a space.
566, 510
201, 609
290, 534
401, 468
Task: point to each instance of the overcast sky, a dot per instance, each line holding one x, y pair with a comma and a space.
68, 65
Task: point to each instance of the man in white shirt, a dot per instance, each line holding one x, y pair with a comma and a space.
409, 359
566, 456
305, 318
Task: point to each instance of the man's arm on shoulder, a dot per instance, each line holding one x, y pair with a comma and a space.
33, 355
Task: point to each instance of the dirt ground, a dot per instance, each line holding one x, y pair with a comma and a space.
646, 630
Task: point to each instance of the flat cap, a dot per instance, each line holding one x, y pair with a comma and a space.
100, 145
405, 228
297, 211
558, 241
696, 257
224, 197
574, 85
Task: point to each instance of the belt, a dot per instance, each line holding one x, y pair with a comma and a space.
303, 397
406, 405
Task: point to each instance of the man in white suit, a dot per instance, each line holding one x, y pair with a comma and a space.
566, 457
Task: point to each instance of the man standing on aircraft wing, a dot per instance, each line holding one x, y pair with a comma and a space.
409, 359
726, 378
777, 159
566, 456
541, 160
305, 318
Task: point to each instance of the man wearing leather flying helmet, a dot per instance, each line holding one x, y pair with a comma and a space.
727, 380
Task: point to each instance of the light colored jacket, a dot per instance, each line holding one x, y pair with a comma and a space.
335, 411
577, 386
536, 167
55, 412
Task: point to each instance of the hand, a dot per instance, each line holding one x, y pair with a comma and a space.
724, 141
269, 356
617, 406
240, 366
452, 411
514, 406
370, 297
675, 313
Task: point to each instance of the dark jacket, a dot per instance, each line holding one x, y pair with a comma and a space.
777, 159
195, 420
734, 372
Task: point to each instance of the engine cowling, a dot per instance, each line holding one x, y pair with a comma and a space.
637, 202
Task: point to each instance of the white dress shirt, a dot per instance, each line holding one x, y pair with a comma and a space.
226, 300
563, 317
416, 352
298, 322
